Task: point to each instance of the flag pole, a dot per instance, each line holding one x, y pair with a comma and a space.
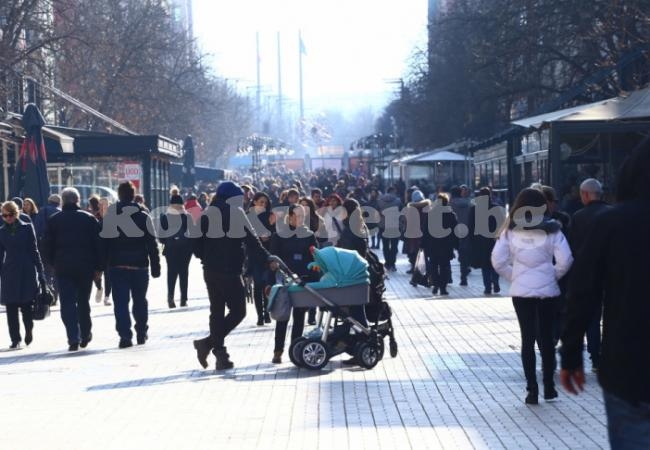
279, 79
300, 52
258, 93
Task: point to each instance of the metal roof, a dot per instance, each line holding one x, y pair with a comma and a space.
633, 105
433, 156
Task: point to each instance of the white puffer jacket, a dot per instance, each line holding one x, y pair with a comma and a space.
525, 258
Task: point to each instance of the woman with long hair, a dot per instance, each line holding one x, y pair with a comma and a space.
524, 254
30, 208
20, 268
257, 265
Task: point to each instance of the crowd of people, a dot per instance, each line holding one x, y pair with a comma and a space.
116, 247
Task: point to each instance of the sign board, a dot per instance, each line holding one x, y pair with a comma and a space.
130, 171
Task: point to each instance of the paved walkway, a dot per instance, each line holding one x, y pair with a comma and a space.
457, 383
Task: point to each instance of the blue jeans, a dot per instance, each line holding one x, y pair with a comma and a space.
126, 284
628, 425
74, 295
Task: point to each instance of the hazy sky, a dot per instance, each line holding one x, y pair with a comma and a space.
354, 47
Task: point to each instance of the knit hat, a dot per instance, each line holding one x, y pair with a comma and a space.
228, 189
176, 200
417, 196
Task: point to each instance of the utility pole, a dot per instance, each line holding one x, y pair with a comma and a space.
258, 93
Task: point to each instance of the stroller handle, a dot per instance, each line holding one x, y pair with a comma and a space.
282, 267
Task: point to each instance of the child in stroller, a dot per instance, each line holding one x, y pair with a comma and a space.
346, 282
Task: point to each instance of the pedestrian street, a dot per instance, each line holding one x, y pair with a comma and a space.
456, 383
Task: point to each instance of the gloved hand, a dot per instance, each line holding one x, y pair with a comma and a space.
155, 270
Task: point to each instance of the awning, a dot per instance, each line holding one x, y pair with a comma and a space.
434, 156
634, 105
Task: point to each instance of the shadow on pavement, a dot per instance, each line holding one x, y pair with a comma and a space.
44, 356
245, 374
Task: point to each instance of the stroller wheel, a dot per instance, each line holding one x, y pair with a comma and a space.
314, 354
393, 348
294, 351
380, 348
368, 355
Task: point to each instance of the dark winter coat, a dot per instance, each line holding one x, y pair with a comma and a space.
131, 251
583, 220
481, 246
440, 249
72, 244
354, 241
42, 218
178, 245
223, 253
612, 269
20, 264
295, 251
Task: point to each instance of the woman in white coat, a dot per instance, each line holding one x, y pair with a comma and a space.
532, 253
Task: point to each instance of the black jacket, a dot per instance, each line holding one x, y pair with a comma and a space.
481, 244
440, 248
295, 251
582, 221
72, 244
612, 268
352, 240
178, 244
136, 250
220, 251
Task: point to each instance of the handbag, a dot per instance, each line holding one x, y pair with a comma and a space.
281, 305
42, 303
419, 277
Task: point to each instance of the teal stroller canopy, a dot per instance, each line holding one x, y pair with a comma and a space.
340, 268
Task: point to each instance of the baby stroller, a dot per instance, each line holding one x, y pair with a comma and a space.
345, 282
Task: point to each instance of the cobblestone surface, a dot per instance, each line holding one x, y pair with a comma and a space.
456, 383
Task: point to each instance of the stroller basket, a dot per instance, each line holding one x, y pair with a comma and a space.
341, 296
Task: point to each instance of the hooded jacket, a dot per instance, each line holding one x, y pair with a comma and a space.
525, 258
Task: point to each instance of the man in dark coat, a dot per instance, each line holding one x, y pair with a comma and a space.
73, 248
131, 248
226, 236
611, 269
485, 218
20, 265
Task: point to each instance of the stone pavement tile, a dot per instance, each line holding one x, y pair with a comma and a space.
456, 383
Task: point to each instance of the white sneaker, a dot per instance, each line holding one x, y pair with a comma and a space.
98, 295
107, 301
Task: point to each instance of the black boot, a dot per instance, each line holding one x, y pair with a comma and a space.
443, 290
29, 337
223, 360
170, 303
183, 302
203, 348
549, 391
533, 393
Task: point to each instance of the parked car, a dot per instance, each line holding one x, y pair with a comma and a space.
86, 190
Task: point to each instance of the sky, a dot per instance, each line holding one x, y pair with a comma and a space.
354, 48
